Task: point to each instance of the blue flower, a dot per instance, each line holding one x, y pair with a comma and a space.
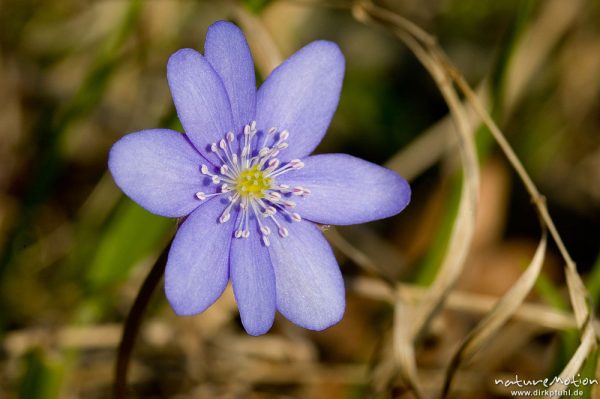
243, 178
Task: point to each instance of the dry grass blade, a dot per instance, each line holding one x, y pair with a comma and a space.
587, 345
403, 349
495, 319
576, 287
444, 73
462, 233
266, 54
359, 257
541, 315
555, 18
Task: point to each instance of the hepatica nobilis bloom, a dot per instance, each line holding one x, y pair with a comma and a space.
251, 194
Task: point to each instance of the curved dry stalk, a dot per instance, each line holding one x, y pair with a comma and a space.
555, 18
498, 316
587, 345
541, 315
417, 320
444, 73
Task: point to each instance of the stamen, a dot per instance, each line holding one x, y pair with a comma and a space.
263, 152
273, 196
296, 164
289, 204
202, 196
224, 217
267, 136
298, 190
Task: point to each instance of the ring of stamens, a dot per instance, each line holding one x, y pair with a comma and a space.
248, 178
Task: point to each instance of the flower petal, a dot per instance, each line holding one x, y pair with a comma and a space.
309, 284
197, 269
347, 190
160, 170
253, 282
301, 96
200, 98
227, 51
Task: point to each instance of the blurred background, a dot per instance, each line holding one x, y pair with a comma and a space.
75, 76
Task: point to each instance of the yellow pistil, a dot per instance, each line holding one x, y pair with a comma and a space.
252, 182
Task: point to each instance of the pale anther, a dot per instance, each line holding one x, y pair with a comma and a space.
200, 195
274, 196
296, 164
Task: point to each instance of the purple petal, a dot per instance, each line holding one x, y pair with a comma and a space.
310, 288
160, 170
200, 98
347, 190
197, 269
227, 51
253, 282
301, 96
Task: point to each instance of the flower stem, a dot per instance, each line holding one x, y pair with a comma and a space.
134, 321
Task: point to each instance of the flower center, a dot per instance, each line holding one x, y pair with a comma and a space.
249, 179
253, 182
